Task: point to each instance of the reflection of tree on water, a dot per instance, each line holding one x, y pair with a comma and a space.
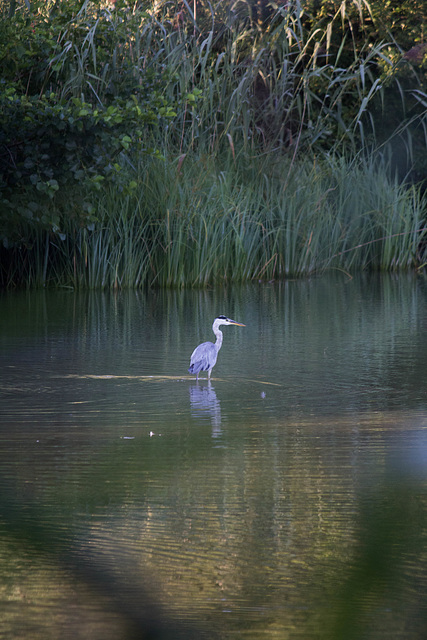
205, 405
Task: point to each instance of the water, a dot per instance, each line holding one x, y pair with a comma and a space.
285, 499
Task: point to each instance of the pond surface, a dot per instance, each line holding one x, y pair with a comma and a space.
287, 498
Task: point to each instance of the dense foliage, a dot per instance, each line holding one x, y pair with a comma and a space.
90, 89
57, 129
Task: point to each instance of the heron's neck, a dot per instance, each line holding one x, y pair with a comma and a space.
219, 337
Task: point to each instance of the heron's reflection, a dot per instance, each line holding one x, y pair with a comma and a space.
205, 404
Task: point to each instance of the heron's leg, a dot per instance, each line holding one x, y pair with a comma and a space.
209, 374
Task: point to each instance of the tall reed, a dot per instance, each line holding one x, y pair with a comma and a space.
255, 220
251, 185
285, 86
290, 84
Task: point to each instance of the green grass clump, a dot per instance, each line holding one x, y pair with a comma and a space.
259, 219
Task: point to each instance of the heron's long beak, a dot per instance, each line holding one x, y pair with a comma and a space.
239, 324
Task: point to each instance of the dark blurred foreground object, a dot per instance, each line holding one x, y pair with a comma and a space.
106, 591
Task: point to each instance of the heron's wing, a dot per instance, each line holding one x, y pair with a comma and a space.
203, 357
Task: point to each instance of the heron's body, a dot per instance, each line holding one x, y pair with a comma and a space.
205, 355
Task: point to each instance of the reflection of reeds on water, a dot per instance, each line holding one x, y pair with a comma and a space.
287, 509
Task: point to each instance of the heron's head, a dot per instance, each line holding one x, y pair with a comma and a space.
224, 320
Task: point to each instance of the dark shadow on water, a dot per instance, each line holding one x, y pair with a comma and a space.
392, 531
128, 599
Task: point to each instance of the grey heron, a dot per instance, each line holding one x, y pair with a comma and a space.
204, 356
